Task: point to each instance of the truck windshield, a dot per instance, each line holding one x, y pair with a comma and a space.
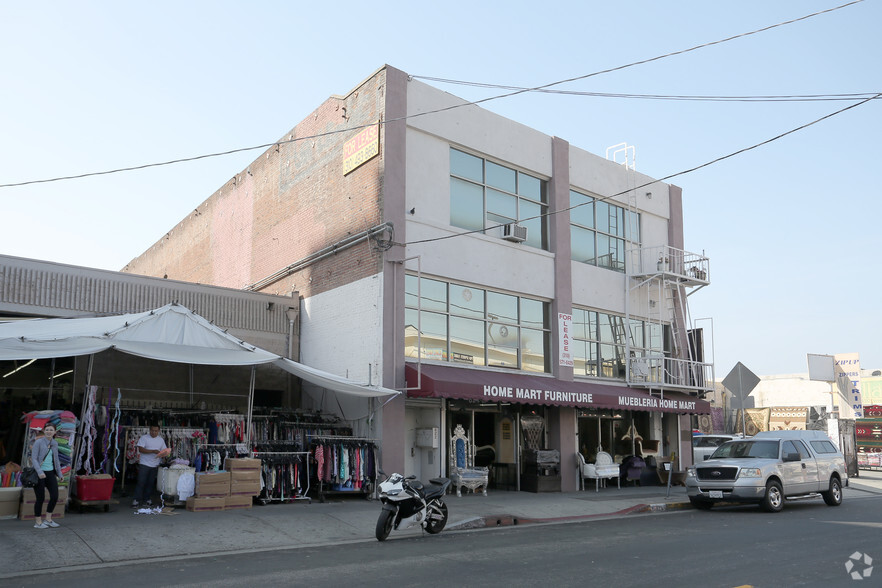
763, 449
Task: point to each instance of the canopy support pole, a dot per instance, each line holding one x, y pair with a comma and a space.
251, 401
51, 382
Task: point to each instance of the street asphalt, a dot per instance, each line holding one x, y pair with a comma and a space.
98, 539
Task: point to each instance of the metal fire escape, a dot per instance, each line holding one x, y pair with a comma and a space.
659, 281
668, 354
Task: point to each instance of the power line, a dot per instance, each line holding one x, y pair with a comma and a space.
320, 135
673, 53
655, 181
706, 98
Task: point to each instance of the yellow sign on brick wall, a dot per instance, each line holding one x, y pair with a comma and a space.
361, 148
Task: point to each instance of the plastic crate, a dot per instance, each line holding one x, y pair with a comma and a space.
91, 488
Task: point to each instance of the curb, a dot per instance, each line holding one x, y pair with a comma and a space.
507, 520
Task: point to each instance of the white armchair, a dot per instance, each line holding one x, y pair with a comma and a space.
463, 473
602, 469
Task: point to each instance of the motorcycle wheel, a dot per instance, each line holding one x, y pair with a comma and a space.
434, 526
384, 524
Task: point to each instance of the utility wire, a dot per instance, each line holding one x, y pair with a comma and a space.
651, 59
655, 181
320, 135
705, 98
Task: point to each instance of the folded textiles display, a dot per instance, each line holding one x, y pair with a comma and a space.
10, 475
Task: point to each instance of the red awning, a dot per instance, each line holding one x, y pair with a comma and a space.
441, 381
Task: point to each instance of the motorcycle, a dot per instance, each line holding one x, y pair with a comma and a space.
407, 502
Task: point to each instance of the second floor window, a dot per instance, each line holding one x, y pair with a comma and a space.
474, 326
600, 342
485, 194
600, 231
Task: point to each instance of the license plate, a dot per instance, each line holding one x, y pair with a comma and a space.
716, 493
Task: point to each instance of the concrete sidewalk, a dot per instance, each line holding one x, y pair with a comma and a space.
97, 539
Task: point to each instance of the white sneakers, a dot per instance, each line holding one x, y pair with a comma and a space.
46, 525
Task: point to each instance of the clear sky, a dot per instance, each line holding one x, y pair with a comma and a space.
791, 228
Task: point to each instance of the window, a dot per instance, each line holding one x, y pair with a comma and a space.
802, 449
600, 342
484, 194
600, 231
823, 447
463, 324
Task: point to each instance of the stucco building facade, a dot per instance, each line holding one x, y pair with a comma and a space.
495, 274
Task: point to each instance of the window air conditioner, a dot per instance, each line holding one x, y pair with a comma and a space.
514, 233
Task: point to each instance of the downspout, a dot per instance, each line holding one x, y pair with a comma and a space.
341, 245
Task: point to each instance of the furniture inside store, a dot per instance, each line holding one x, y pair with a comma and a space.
541, 467
600, 471
463, 471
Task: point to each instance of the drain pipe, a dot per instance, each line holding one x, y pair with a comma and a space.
319, 255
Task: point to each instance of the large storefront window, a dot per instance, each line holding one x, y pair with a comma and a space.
484, 194
463, 324
600, 231
600, 342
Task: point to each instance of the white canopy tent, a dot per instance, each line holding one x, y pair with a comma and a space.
171, 333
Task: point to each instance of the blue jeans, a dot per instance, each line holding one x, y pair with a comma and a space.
146, 483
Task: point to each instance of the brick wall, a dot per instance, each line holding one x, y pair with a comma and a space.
292, 201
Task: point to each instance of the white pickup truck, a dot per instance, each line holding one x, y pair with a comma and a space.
767, 468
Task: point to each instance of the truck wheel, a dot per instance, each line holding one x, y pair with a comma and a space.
833, 496
773, 501
701, 504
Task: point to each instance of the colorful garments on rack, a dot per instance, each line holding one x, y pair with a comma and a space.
347, 464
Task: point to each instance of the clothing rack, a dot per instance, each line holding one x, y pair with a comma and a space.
304, 495
343, 437
306, 425
343, 441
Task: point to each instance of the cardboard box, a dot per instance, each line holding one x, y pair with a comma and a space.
244, 488
237, 502
212, 484
10, 494
212, 478
28, 496
199, 504
26, 511
8, 510
9, 501
212, 490
242, 463
244, 476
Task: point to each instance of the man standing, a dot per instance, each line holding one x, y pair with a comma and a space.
150, 448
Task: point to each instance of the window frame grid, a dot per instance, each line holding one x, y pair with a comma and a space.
519, 199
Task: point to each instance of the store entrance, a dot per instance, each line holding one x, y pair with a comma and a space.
492, 432
632, 438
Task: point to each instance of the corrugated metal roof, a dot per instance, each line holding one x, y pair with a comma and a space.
44, 288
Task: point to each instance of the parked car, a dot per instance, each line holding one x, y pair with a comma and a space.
704, 445
767, 468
